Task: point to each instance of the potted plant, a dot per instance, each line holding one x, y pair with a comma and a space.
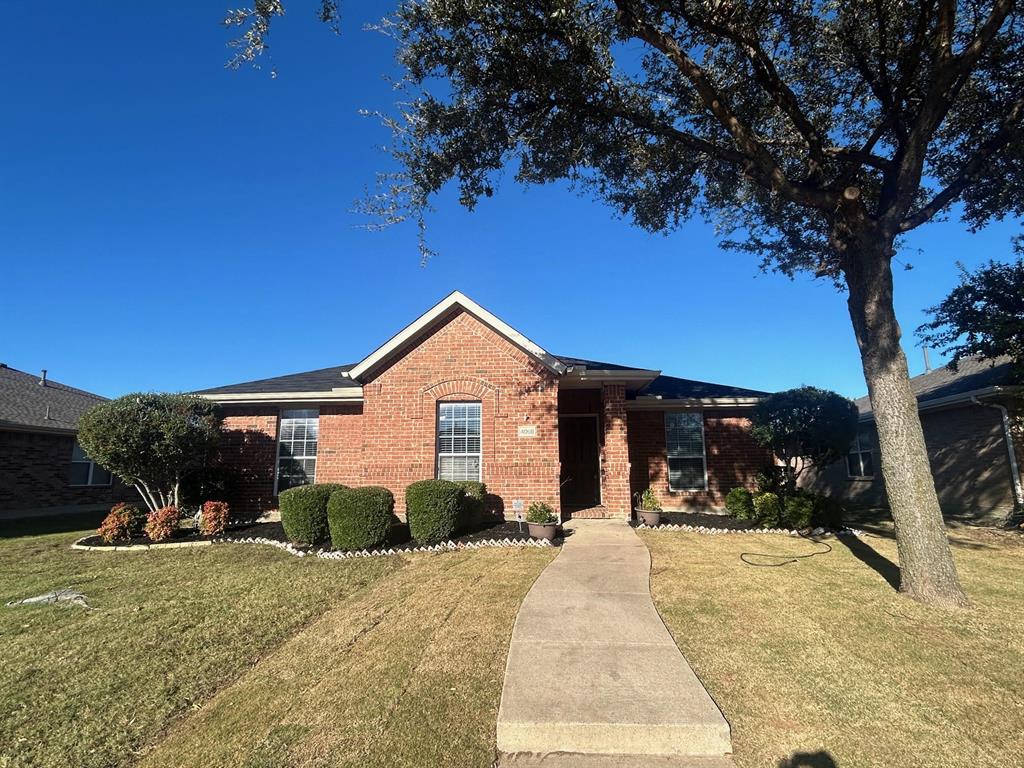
542, 521
649, 508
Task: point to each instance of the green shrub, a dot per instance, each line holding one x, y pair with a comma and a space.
767, 510
360, 518
474, 509
304, 512
541, 513
649, 501
432, 508
740, 503
799, 508
828, 512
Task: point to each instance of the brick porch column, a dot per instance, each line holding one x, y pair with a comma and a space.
615, 453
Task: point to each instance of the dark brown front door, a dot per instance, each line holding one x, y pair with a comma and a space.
581, 463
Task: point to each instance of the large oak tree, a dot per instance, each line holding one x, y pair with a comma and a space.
816, 134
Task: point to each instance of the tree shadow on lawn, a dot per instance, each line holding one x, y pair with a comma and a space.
820, 759
65, 522
873, 559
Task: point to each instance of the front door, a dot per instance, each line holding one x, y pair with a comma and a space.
580, 456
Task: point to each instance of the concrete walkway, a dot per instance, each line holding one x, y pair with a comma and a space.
593, 676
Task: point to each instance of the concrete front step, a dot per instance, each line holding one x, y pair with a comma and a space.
577, 760
594, 513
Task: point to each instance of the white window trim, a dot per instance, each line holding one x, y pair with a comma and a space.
92, 470
857, 449
703, 455
277, 448
437, 438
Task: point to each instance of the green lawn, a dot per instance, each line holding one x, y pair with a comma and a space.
822, 663
241, 655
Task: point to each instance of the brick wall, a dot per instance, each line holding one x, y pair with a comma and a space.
35, 472
463, 359
615, 473
969, 463
733, 458
249, 448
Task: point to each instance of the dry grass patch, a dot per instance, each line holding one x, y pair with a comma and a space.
821, 658
408, 674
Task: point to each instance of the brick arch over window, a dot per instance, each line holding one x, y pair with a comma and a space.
476, 389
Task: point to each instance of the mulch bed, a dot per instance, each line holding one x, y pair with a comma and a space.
398, 539
703, 519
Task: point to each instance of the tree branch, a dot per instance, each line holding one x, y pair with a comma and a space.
968, 174
769, 173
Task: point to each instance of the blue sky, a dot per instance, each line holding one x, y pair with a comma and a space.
167, 224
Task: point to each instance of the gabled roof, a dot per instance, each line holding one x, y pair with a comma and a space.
27, 405
320, 380
973, 375
452, 302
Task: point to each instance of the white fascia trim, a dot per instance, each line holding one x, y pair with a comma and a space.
345, 394
456, 298
959, 398
655, 403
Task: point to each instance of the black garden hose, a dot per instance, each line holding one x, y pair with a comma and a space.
786, 559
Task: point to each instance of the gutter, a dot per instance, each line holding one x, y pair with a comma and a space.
1018, 492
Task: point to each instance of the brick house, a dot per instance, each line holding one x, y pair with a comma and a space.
973, 422
42, 466
459, 394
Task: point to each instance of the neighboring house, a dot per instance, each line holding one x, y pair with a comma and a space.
459, 394
41, 463
972, 420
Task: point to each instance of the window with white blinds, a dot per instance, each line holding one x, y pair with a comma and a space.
458, 441
684, 438
296, 448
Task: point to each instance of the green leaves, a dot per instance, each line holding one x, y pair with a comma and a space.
806, 423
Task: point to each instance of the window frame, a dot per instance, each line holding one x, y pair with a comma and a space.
277, 455
89, 483
703, 453
857, 449
437, 439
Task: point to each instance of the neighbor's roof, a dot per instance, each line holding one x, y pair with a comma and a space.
973, 374
25, 404
320, 380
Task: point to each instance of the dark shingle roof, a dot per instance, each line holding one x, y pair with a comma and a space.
672, 387
25, 403
320, 380
595, 364
973, 373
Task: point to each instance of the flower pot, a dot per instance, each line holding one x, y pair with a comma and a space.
648, 518
543, 530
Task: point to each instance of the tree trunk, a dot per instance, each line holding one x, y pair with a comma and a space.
927, 571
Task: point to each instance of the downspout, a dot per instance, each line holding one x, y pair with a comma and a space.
1018, 493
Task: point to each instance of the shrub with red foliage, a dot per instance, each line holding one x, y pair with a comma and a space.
162, 523
121, 523
214, 519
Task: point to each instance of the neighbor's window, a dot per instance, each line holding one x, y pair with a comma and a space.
684, 438
458, 441
85, 471
860, 462
296, 448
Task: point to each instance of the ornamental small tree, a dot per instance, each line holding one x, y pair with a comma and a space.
983, 316
152, 441
803, 427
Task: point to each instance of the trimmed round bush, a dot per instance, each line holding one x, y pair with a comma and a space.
432, 508
799, 510
767, 510
121, 523
828, 512
473, 510
740, 503
360, 518
304, 512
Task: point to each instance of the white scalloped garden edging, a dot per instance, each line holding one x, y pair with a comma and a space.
715, 531
444, 546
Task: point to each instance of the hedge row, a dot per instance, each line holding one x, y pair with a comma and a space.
361, 518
